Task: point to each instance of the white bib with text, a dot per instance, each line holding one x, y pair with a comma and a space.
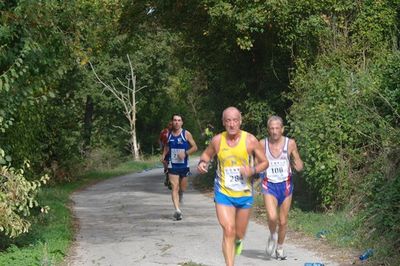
174, 156
234, 180
278, 170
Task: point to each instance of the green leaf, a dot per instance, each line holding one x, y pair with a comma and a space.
6, 87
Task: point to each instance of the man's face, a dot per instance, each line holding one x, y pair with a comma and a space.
275, 130
177, 122
232, 122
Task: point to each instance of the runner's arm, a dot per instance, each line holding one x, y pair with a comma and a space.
208, 154
295, 156
193, 146
164, 153
254, 147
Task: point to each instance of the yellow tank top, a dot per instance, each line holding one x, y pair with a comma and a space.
230, 159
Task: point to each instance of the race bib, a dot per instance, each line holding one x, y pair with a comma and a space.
278, 170
234, 180
174, 156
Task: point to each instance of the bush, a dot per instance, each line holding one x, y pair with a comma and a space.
381, 221
344, 120
102, 158
17, 198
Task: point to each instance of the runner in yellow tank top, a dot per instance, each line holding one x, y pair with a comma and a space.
232, 190
230, 159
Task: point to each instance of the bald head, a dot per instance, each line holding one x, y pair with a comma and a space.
231, 111
232, 119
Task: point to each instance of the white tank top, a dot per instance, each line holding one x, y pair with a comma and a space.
279, 167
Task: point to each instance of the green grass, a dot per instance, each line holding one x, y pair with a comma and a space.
50, 236
339, 229
345, 231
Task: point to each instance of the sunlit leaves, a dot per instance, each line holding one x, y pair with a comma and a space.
17, 198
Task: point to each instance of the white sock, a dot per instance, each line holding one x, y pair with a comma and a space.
279, 246
274, 235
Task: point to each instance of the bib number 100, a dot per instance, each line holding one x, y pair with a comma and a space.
277, 170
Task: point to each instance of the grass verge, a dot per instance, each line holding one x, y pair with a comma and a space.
51, 235
338, 234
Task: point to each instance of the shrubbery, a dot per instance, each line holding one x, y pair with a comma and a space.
17, 198
346, 121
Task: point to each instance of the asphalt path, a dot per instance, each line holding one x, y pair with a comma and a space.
127, 220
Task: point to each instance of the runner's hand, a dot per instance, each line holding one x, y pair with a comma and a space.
246, 171
182, 155
202, 167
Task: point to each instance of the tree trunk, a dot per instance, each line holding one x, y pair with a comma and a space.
87, 124
135, 146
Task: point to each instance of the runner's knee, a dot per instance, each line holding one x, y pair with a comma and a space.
283, 222
229, 231
175, 187
272, 217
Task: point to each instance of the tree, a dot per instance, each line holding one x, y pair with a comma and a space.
126, 95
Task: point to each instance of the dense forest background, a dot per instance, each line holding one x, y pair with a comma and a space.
331, 69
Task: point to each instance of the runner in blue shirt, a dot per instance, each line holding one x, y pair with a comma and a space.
180, 145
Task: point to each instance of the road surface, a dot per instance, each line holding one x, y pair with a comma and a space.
127, 220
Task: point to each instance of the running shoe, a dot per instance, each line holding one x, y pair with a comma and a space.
238, 247
178, 215
280, 254
271, 245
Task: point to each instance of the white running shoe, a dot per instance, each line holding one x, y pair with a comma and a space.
280, 254
271, 245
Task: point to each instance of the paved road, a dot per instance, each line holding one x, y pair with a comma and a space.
127, 220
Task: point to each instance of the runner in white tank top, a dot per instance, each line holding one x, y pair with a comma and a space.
277, 185
279, 169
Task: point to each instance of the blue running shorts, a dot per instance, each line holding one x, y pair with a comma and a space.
279, 190
240, 202
181, 172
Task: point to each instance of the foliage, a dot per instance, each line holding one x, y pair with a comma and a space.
17, 198
255, 116
381, 216
152, 62
34, 44
346, 119
322, 134
343, 140
330, 67
102, 158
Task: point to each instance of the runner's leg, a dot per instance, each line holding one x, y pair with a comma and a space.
242, 220
226, 217
271, 205
174, 179
183, 182
283, 219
